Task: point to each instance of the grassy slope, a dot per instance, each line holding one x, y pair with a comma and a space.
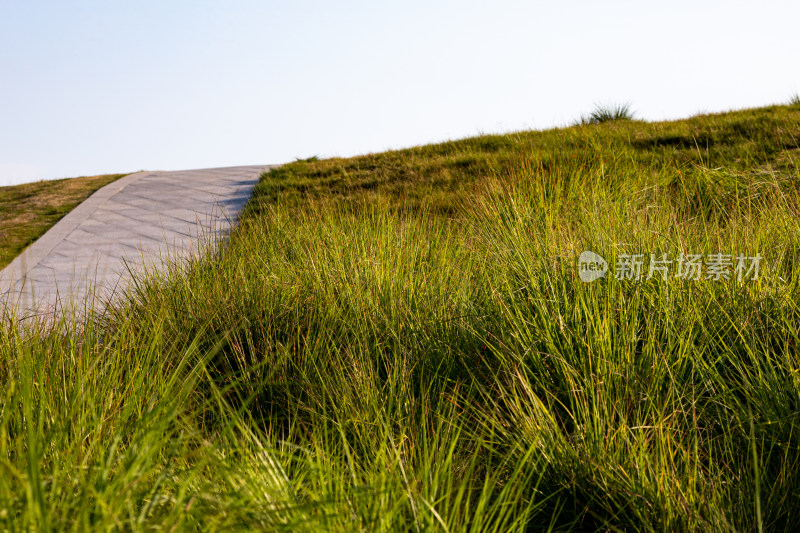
27, 211
442, 175
400, 341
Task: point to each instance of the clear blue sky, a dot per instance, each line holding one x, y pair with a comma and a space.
90, 87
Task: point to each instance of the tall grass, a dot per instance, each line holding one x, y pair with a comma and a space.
402, 342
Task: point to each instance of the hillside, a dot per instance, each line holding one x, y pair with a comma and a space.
402, 341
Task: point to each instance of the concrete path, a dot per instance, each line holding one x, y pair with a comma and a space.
129, 224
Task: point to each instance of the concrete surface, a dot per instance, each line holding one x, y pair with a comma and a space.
87, 258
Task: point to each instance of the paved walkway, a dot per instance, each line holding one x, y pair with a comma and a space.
129, 224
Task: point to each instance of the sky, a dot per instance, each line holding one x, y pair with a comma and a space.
92, 87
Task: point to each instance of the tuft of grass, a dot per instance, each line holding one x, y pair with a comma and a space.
608, 113
27, 211
794, 100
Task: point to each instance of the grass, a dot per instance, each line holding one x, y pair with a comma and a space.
400, 341
607, 113
27, 211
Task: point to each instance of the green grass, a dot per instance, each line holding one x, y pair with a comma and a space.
607, 113
401, 342
27, 211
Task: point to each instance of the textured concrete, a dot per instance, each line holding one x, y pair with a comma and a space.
87, 258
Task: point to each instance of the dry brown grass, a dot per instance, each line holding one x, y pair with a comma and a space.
27, 211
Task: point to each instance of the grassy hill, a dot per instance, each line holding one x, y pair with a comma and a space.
401, 341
